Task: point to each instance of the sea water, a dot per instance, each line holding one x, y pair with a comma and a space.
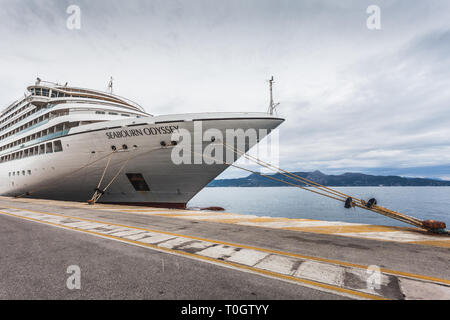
289, 202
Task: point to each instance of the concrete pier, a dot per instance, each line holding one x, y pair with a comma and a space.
126, 252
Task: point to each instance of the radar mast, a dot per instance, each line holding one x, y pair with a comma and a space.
272, 105
110, 85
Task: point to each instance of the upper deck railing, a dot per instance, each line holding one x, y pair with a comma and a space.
50, 90
54, 90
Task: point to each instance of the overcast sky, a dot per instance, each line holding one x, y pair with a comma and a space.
354, 99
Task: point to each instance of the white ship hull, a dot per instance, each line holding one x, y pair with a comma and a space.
73, 174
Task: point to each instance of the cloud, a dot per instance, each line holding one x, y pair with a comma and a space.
354, 99
391, 111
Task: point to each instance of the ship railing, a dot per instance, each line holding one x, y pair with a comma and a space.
18, 124
37, 140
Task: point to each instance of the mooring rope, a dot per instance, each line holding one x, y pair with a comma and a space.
98, 193
326, 191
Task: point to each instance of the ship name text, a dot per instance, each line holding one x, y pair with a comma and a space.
141, 132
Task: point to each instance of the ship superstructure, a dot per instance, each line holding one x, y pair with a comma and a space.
57, 140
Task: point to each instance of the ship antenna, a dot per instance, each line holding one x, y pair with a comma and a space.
272, 105
110, 85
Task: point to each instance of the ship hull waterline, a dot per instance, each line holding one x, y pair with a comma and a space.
73, 175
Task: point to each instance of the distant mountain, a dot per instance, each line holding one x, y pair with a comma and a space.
344, 180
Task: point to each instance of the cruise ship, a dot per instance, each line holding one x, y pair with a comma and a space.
69, 143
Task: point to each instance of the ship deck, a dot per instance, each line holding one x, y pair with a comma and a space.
151, 253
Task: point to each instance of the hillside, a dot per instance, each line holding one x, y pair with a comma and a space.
346, 179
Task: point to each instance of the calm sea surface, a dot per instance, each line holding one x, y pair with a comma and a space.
421, 202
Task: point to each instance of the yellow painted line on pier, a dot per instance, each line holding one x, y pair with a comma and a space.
269, 219
195, 214
230, 221
310, 283
347, 229
261, 220
242, 221
278, 252
437, 243
407, 235
161, 213
141, 210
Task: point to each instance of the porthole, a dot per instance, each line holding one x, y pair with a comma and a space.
113, 148
124, 147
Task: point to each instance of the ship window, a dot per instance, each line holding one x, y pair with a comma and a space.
23, 172
38, 91
113, 113
29, 172
125, 115
49, 148
57, 146
45, 92
138, 181
99, 112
